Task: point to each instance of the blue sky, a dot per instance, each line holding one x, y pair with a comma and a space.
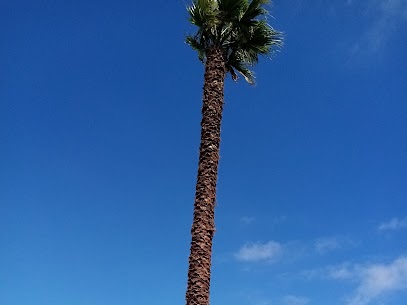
99, 128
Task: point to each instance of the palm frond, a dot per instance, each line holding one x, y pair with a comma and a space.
232, 9
247, 74
203, 13
232, 72
238, 62
197, 46
262, 41
256, 9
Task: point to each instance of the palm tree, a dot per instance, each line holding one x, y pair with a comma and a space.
230, 37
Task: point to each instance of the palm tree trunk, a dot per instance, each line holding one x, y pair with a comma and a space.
203, 227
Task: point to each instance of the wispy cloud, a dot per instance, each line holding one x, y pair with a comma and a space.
247, 220
295, 300
386, 16
276, 220
324, 245
393, 224
328, 244
345, 271
374, 280
259, 252
279, 219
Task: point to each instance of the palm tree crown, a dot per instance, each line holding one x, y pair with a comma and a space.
238, 27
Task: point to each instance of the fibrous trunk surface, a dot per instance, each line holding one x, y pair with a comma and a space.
203, 226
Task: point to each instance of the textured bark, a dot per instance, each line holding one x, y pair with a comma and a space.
203, 227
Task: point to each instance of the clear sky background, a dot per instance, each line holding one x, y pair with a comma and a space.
99, 132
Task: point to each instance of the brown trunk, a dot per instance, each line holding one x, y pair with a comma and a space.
203, 227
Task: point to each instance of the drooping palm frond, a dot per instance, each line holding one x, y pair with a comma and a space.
197, 46
236, 64
238, 27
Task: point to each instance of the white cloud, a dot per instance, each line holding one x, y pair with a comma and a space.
373, 281
295, 300
393, 224
256, 252
380, 279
